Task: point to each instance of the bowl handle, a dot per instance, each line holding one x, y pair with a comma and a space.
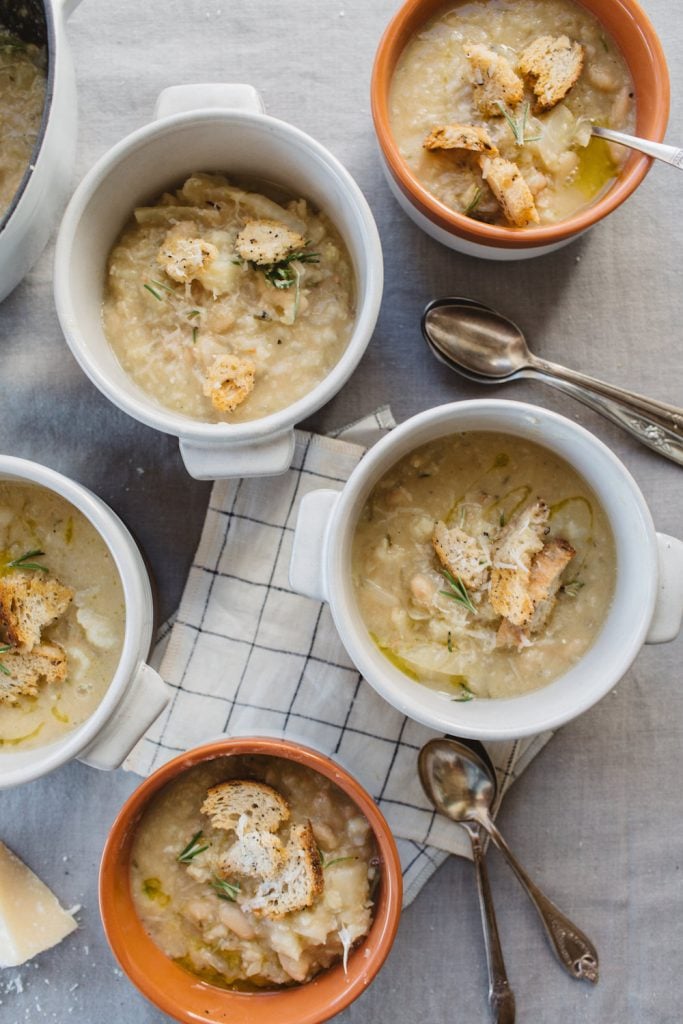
668, 614
180, 99
253, 458
146, 698
307, 566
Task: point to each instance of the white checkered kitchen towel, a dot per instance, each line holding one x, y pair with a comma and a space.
247, 656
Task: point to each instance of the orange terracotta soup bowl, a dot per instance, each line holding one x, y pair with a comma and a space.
183, 995
628, 25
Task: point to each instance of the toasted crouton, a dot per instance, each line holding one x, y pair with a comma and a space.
255, 854
27, 669
505, 180
552, 64
511, 636
257, 806
515, 548
545, 577
229, 381
461, 554
494, 80
267, 241
461, 136
28, 603
298, 885
184, 259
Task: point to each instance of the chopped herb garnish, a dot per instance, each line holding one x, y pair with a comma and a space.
154, 292
325, 863
474, 202
195, 332
164, 287
23, 561
463, 697
193, 313
458, 591
423, 476
501, 519
572, 588
3, 668
192, 849
518, 127
449, 643
282, 274
263, 315
225, 890
387, 537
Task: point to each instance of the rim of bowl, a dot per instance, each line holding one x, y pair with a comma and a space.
382, 675
156, 975
631, 22
136, 588
134, 401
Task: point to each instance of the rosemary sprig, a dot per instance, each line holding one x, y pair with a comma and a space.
192, 849
23, 563
335, 860
193, 314
282, 274
572, 588
463, 696
518, 127
164, 287
458, 591
3, 668
225, 890
154, 292
474, 202
195, 332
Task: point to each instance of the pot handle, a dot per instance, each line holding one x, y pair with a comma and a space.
258, 458
180, 99
668, 614
146, 698
307, 565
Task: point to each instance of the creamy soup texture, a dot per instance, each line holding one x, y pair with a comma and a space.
463, 68
198, 912
40, 529
512, 520
22, 95
226, 305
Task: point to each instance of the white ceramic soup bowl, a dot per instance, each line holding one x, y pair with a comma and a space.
27, 223
648, 601
136, 694
219, 128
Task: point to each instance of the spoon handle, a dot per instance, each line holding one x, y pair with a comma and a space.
656, 424
669, 154
574, 950
501, 996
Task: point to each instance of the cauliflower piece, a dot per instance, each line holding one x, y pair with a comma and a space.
229, 381
267, 241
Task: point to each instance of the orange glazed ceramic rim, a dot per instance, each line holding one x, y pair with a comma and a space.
191, 1000
637, 40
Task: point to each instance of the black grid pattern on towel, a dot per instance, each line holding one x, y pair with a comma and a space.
247, 655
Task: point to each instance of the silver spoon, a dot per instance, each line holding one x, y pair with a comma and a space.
486, 347
659, 150
501, 996
463, 787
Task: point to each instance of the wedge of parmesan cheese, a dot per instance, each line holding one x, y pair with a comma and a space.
31, 919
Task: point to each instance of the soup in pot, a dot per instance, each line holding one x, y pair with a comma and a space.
226, 305
254, 872
62, 616
492, 104
22, 97
483, 565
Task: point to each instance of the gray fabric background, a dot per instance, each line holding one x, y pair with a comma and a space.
598, 817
